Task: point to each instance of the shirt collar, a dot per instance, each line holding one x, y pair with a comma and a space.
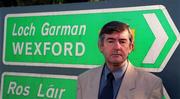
117, 74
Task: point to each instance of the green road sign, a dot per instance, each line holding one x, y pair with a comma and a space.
69, 38
37, 86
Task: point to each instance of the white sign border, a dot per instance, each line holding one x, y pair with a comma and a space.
149, 7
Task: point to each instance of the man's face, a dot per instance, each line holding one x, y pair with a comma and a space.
116, 47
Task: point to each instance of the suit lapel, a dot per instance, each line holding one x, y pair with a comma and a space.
128, 83
94, 87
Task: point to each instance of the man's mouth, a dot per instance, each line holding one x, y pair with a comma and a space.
116, 54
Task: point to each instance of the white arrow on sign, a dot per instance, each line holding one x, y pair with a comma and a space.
160, 38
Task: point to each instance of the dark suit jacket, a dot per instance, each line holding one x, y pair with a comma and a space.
136, 84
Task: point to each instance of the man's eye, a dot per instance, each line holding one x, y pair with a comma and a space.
122, 42
110, 41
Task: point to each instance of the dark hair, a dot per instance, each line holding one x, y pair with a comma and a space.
115, 26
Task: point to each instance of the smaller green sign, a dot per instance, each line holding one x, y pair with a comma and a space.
38, 86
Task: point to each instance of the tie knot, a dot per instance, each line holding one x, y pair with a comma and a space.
110, 76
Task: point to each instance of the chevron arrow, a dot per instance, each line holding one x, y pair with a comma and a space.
160, 38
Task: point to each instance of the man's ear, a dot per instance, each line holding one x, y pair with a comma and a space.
131, 47
100, 45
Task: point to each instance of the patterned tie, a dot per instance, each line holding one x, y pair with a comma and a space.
107, 92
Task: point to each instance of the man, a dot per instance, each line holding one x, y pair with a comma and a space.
117, 78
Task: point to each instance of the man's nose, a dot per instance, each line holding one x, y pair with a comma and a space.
117, 45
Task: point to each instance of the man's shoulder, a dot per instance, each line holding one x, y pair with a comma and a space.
91, 72
147, 76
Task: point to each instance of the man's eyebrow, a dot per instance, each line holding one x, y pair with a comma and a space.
110, 38
123, 39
